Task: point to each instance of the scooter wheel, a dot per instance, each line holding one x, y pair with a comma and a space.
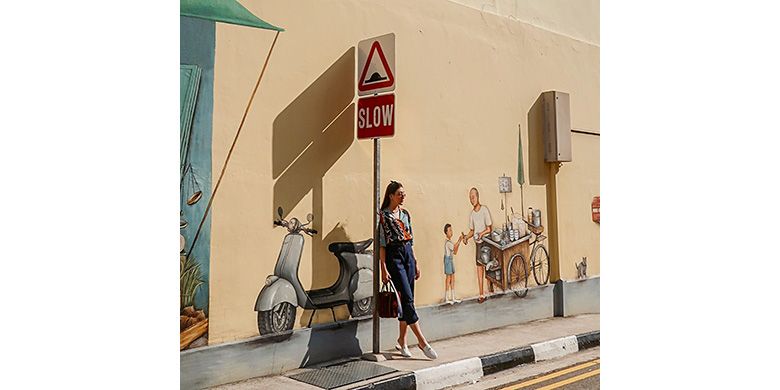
277, 321
362, 307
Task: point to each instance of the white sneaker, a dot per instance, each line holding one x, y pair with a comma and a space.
404, 351
429, 352
457, 300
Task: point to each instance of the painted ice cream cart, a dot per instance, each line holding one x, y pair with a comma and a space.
507, 263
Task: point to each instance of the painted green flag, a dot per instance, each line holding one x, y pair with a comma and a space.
520, 177
188, 84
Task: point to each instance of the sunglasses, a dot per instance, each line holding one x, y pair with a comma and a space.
401, 194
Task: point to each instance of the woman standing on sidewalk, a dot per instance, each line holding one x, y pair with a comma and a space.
399, 264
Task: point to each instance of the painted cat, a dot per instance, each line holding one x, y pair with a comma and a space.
582, 268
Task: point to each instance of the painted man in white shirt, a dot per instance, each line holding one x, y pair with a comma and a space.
480, 225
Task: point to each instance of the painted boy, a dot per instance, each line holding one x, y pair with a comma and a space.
450, 250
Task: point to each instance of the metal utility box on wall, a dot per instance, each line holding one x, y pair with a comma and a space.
557, 126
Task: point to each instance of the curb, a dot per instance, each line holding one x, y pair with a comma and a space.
472, 369
403, 382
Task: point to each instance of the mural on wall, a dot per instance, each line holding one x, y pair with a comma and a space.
313, 159
582, 268
309, 137
193, 298
508, 254
450, 250
196, 105
480, 225
506, 249
283, 293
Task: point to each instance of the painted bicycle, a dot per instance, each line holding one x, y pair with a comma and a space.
540, 258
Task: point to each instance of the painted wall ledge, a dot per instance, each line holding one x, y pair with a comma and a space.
258, 356
573, 297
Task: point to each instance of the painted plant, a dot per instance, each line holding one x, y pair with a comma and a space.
195, 186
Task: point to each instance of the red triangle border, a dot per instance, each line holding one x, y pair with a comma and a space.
375, 47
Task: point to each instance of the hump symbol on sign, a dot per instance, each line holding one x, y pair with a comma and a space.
375, 77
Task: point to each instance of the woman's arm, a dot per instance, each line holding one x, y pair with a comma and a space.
381, 245
385, 277
416, 264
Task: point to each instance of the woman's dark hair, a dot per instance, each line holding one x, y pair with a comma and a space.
447, 226
391, 189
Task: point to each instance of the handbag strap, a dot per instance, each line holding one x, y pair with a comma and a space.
392, 285
385, 286
397, 295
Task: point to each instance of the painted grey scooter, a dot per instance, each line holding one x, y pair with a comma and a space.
283, 293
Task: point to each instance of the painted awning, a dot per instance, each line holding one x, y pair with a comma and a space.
226, 11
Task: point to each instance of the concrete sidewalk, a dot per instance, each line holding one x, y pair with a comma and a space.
461, 359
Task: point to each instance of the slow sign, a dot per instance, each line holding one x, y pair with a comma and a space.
376, 116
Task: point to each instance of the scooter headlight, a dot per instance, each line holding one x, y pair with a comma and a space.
270, 280
295, 224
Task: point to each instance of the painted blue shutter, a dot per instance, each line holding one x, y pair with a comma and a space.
189, 82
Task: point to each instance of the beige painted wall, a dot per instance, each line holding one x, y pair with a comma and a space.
578, 19
578, 183
465, 81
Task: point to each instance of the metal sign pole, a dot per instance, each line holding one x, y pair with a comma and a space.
377, 269
367, 108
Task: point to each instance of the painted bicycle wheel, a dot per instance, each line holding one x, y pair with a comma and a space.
517, 275
540, 263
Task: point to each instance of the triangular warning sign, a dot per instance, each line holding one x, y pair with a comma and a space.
369, 82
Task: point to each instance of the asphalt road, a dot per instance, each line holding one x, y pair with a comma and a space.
575, 377
578, 371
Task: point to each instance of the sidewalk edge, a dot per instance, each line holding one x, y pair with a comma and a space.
589, 339
491, 363
503, 360
406, 381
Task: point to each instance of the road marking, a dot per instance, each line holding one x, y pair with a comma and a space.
571, 380
553, 375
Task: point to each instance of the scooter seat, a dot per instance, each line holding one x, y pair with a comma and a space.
351, 247
324, 298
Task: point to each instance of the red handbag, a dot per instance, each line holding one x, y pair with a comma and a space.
388, 301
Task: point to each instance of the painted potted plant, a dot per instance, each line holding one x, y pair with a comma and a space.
192, 323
